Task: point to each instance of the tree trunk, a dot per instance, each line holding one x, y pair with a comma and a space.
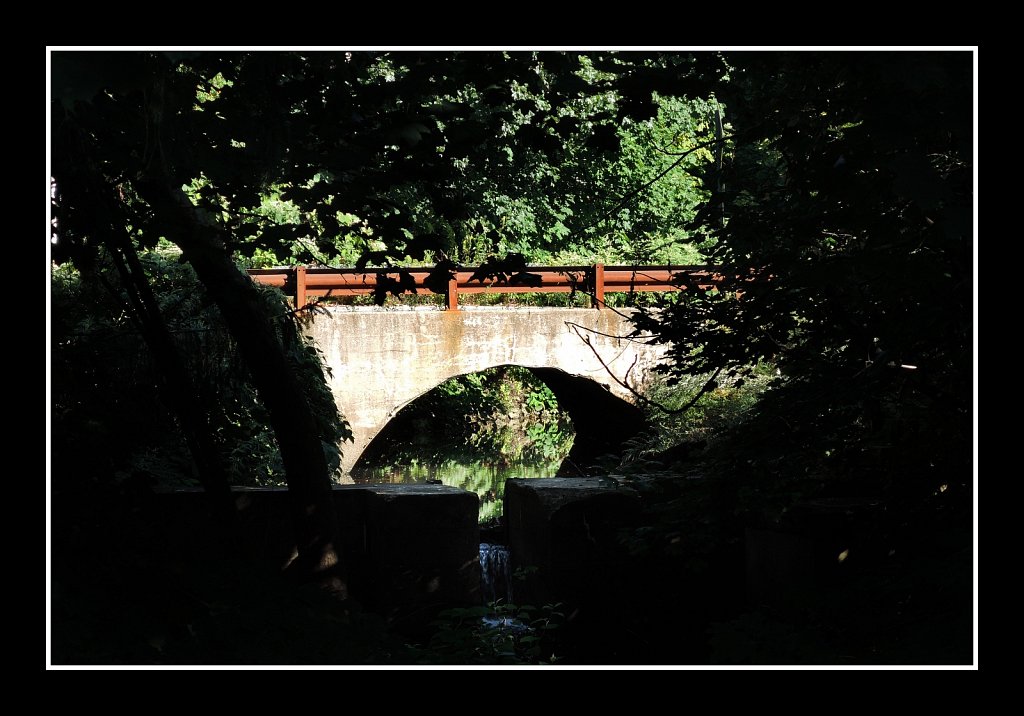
309, 487
177, 388
92, 195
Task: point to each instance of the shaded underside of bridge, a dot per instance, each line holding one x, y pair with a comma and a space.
381, 360
603, 421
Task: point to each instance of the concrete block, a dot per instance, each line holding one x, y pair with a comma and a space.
568, 529
409, 549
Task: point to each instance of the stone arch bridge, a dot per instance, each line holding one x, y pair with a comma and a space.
383, 359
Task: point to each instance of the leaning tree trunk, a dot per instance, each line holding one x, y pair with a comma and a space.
92, 196
309, 487
177, 388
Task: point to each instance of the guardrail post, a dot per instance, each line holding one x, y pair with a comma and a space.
597, 300
451, 296
300, 287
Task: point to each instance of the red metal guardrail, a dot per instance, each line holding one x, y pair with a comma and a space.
302, 282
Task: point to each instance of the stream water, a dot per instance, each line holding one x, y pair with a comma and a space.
496, 587
495, 573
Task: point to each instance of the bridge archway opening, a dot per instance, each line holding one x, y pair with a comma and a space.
502, 415
545, 407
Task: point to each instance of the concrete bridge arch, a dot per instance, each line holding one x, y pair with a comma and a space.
381, 360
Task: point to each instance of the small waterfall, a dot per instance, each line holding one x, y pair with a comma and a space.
495, 573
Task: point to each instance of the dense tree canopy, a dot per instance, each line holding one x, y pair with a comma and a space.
847, 190
427, 151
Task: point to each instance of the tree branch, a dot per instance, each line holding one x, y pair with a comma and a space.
632, 339
646, 185
707, 387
